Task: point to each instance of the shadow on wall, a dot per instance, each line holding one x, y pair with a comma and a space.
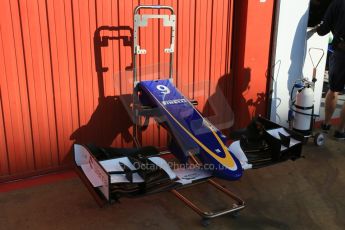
223, 107
106, 122
296, 59
218, 108
110, 117
243, 109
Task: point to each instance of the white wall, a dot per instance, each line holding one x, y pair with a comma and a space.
288, 55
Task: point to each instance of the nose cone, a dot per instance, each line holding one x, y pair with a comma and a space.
227, 174
221, 171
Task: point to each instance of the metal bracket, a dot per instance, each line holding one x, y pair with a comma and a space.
142, 21
137, 50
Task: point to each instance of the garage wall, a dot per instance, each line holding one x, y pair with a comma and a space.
252, 70
64, 65
289, 54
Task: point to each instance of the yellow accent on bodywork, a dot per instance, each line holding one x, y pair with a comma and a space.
227, 161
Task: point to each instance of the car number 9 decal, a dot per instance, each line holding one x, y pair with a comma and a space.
164, 90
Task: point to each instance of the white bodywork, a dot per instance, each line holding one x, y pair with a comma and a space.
236, 149
97, 172
93, 171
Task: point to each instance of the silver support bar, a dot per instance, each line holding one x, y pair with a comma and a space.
157, 7
207, 215
142, 21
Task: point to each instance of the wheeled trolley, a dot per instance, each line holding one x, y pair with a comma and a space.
301, 114
112, 173
140, 110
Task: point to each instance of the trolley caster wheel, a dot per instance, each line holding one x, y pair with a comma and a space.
205, 222
319, 139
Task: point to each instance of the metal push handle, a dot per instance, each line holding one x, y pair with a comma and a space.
312, 62
142, 21
158, 7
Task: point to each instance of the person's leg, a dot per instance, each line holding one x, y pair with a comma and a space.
342, 120
336, 84
330, 105
340, 132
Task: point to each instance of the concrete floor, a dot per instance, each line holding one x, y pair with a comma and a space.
306, 194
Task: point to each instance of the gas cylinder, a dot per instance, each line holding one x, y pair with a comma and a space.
303, 110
